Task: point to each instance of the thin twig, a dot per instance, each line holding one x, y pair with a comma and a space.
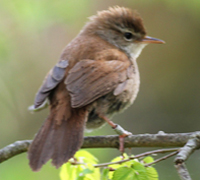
138, 156
156, 152
162, 158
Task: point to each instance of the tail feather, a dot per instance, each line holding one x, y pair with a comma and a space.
58, 142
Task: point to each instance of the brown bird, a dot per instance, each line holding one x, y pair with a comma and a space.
95, 77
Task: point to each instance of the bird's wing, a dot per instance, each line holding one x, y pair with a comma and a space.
90, 79
52, 79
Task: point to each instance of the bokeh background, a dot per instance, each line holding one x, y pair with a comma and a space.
32, 35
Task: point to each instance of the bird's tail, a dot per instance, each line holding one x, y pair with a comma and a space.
57, 140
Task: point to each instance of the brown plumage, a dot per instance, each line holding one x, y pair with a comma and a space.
96, 77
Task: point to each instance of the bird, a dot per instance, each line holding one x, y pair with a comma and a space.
95, 77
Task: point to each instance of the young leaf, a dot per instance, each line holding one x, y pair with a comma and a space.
91, 173
84, 175
86, 156
123, 173
68, 172
140, 171
84, 171
148, 159
152, 173
116, 166
105, 174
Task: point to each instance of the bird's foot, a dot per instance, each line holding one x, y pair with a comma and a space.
119, 130
122, 134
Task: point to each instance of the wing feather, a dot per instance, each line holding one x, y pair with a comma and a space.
52, 79
89, 80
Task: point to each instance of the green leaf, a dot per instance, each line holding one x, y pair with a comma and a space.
105, 174
68, 172
140, 171
152, 173
138, 166
148, 159
84, 175
123, 173
116, 166
90, 173
132, 169
86, 157
85, 171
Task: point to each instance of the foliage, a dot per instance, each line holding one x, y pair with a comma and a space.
84, 169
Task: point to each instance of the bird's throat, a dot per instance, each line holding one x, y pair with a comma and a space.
135, 49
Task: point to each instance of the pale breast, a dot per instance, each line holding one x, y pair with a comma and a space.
127, 91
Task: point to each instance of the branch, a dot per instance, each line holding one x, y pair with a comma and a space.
191, 145
140, 140
184, 153
14, 149
183, 172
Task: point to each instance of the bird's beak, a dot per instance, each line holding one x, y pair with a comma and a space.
148, 40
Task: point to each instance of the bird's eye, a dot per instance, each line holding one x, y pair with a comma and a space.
128, 36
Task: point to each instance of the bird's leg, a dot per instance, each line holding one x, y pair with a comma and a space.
119, 130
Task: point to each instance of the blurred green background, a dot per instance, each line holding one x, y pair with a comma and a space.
32, 35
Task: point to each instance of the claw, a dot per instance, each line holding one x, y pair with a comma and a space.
119, 130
